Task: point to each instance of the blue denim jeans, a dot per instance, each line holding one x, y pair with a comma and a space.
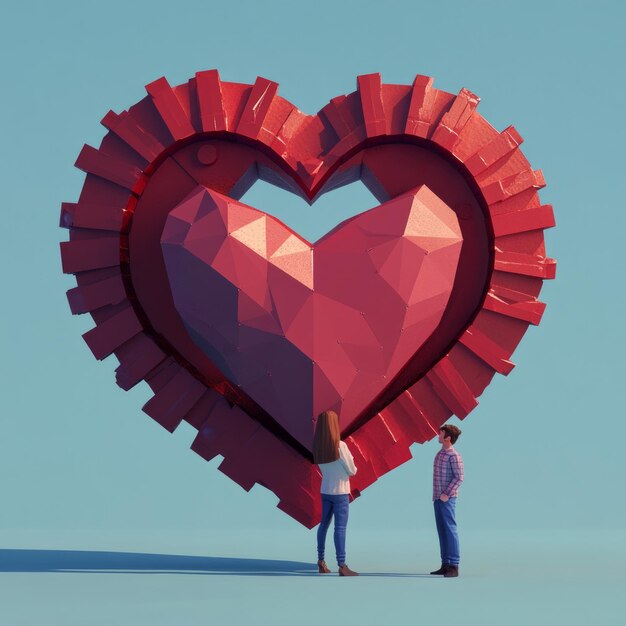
337, 505
446, 529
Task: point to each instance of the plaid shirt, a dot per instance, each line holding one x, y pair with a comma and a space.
447, 473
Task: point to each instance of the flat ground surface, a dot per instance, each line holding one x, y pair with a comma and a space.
257, 578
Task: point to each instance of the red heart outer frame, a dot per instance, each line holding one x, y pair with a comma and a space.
380, 120
303, 327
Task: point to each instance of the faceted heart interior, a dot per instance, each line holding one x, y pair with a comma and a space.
303, 327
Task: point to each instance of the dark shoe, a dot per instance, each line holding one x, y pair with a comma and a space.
322, 568
441, 571
452, 571
344, 570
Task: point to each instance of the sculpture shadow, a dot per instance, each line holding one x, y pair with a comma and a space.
80, 561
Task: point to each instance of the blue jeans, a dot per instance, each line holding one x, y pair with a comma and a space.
446, 529
336, 505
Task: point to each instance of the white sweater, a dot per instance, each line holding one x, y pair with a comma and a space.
336, 475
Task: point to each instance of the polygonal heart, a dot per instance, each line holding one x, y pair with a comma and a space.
303, 327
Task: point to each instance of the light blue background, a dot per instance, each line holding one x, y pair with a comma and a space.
82, 468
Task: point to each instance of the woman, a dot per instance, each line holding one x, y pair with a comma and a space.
337, 465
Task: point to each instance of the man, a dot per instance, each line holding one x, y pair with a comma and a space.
447, 476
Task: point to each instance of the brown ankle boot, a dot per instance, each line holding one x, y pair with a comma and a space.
452, 571
344, 570
441, 571
322, 568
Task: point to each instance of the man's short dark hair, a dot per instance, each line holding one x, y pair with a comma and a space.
450, 431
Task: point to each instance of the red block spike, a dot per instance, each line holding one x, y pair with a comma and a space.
525, 264
254, 450
527, 311
507, 141
162, 374
127, 128
487, 350
93, 216
304, 505
396, 100
209, 88
199, 413
242, 427
379, 439
303, 472
110, 168
308, 516
507, 293
107, 336
512, 185
138, 357
521, 221
410, 418
217, 428
96, 295
270, 133
347, 109
431, 406
259, 102
89, 254
452, 123
334, 112
366, 474
420, 115
170, 405
284, 134
170, 109
371, 93
451, 388
397, 455
461, 110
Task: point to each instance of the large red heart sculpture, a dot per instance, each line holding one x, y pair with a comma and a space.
399, 317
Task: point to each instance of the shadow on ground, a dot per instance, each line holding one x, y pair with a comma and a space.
83, 561
140, 563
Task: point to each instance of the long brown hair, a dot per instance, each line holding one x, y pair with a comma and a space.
326, 439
